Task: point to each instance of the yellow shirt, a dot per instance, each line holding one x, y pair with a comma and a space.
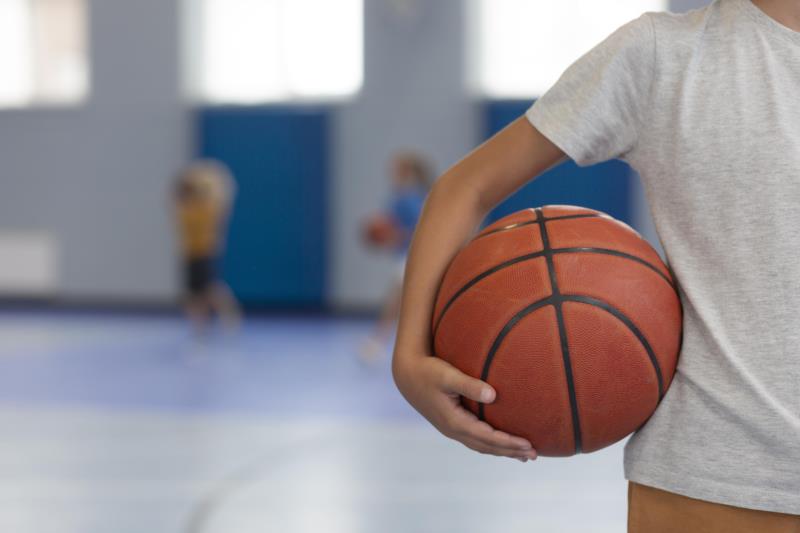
200, 226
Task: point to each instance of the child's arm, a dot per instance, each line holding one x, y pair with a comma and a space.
458, 202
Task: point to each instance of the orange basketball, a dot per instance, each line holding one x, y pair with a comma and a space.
380, 230
571, 316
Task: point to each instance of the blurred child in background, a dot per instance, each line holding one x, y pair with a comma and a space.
392, 230
204, 194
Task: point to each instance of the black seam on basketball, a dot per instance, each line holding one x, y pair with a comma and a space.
605, 306
616, 253
529, 222
476, 279
534, 255
502, 335
557, 299
562, 332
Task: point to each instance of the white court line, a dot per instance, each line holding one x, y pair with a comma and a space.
88, 471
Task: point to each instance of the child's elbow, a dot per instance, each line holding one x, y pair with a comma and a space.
454, 188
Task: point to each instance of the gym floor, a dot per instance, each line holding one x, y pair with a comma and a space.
127, 424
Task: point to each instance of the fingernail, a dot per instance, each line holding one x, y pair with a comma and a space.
487, 395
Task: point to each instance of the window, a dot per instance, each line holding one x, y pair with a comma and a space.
42, 52
253, 51
519, 48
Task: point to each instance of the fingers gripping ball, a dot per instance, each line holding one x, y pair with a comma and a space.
571, 316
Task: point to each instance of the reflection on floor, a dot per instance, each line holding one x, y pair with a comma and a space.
126, 424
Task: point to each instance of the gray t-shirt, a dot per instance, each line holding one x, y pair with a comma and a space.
706, 107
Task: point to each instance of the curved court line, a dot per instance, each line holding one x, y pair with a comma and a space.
200, 514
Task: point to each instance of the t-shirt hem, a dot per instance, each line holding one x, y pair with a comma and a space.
718, 492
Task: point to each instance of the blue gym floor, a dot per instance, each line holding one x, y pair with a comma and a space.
117, 424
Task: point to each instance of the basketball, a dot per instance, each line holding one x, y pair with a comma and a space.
380, 230
571, 316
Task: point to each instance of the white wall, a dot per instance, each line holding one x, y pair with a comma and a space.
413, 97
679, 6
96, 176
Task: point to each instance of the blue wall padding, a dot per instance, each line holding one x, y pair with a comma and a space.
277, 241
605, 187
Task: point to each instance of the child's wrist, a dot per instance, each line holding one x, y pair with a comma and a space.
411, 343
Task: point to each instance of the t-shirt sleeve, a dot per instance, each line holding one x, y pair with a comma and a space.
595, 110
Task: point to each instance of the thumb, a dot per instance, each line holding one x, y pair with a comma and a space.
469, 387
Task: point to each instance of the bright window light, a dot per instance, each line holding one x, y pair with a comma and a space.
15, 52
43, 53
253, 51
519, 48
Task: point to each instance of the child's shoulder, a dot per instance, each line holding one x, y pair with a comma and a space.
678, 35
676, 25
661, 30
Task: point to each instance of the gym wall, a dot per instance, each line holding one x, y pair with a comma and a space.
96, 178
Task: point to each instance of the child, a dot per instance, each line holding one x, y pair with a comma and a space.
411, 179
706, 107
203, 198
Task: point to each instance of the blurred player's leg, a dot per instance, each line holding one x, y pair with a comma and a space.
223, 302
199, 312
375, 347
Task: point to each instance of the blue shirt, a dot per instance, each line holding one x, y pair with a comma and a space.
405, 208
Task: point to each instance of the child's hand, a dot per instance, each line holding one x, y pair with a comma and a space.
457, 203
434, 388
